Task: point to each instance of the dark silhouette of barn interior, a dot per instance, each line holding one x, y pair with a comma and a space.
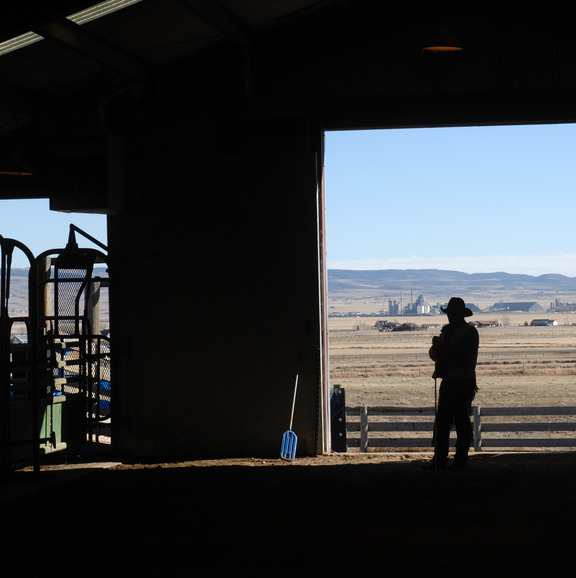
197, 127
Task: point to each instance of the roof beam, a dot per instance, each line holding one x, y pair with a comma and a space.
221, 19
90, 45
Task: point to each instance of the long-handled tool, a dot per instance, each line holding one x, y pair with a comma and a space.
289, 438
435, 434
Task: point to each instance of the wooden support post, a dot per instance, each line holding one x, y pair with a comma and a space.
364, 429
477, 429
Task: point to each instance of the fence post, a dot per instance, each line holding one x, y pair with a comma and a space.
364, 429
477, 429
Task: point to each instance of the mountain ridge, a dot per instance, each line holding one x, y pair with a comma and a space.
346, 281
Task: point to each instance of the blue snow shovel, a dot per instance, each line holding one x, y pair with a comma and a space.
289, 439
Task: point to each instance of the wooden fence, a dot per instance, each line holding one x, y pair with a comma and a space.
404, 427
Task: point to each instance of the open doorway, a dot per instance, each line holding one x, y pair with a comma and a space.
33, 223
54, 338
415, 216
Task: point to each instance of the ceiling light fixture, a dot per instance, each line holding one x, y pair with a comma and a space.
443, 42
92, 13
19, 42
100, 10
15, 167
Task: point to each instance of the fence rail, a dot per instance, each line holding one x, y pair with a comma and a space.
384, 427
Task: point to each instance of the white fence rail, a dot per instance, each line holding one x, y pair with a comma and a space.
404, 427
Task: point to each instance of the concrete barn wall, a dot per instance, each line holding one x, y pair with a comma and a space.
215, 298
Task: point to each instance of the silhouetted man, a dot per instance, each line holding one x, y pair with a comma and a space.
455, 352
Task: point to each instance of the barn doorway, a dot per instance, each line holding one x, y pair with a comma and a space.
487, 209
54, 341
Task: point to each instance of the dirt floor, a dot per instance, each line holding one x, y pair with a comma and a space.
336, 515
510, 514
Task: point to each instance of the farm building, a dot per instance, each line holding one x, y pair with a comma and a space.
197, 128
474, 308
543, 322
493, 323
528, 306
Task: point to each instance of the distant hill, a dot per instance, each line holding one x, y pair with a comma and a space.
18, 296
343, 281
353, 290
436, 285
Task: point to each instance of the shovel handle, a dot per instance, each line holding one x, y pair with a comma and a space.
293, 401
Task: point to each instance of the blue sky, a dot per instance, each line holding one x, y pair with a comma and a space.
479, 199
31, 222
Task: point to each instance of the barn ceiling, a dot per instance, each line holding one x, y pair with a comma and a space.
74, 77
133, 46
355, 61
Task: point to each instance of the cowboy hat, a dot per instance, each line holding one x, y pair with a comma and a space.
457, 306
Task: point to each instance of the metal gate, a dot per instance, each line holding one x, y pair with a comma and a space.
55, 360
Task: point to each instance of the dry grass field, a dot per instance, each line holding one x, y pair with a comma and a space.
518, 365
